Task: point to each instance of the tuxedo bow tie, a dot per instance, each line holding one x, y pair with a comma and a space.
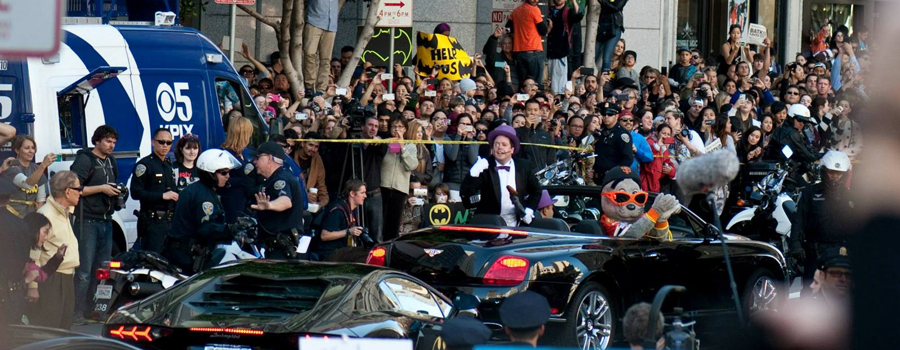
503, 167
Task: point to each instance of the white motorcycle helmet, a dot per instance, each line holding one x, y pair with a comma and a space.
800, 112
836, 161
214, 159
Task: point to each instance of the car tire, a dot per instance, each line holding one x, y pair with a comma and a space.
761, 292
594, 331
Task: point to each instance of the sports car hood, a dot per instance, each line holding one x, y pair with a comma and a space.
254, 296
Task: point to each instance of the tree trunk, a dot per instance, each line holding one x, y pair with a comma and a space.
590, 34
298, 20
361, 42
284, 48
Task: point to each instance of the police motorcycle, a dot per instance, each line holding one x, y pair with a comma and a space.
137, 274
776, 196
566, 171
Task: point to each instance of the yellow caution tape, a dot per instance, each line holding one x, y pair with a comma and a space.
438, 142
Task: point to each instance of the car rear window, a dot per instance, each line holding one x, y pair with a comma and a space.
242, 294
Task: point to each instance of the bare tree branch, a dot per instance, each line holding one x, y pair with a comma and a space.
259, 17
361, 42
590, 34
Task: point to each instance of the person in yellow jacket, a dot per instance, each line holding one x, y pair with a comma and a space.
56, 304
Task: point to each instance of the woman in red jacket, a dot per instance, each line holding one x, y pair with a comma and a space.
662, 165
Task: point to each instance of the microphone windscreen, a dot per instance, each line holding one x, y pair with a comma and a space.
702, 173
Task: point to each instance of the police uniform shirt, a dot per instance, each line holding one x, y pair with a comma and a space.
199, 214
282, 184
150, 178
613, 148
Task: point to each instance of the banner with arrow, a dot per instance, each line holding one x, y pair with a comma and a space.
395, 13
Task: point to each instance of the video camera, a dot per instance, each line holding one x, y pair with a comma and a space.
122, 197
358, 115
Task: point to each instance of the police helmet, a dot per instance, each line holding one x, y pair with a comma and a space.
835, 161
800, 112
213, 160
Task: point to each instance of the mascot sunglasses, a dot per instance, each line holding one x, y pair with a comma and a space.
622, 198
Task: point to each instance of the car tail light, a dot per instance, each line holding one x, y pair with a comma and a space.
242, 331
135, 333
507, 270
376, 256
102, 274
483, 230
115, 264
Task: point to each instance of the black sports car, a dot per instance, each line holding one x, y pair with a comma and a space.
588, 278
258, 304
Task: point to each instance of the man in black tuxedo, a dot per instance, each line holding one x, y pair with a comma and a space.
487, 186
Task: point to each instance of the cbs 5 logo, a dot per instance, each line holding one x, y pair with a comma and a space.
173, 99
6, 103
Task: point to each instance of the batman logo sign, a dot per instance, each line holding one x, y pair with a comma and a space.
439, 215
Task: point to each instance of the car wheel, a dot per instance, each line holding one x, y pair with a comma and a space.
761, 293
590, 324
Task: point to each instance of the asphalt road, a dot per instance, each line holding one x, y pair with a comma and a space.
89, 328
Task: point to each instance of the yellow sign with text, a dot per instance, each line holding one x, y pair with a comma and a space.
445, 53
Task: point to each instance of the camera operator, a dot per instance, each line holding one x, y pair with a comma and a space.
636, 323
280, 220
340, 227
153, 184
101, 196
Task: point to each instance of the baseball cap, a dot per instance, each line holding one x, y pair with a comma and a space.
271, 148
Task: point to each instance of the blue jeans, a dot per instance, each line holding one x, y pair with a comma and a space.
606, 47
94, 247
374, 216
530, 64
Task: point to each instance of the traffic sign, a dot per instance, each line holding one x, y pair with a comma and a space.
395, 13
30, 28
236, 2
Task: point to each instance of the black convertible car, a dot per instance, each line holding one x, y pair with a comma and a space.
588, 277
258, 304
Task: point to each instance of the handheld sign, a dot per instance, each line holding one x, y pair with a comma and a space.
756, 34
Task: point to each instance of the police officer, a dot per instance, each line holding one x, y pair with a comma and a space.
279, 216
614, 145
835, 279
153, 184
464, 333
790, 134
199, 221
523, 316
820, 222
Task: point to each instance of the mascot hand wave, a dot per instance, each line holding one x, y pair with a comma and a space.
623, 207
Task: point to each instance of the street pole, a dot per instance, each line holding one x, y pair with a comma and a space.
231, 34
391, 65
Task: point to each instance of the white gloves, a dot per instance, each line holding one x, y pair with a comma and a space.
529, 214
478, 167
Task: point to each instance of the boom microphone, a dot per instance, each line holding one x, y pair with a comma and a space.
699, 175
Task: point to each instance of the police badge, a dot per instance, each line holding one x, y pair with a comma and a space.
626, 138
279, 185
207, 208
140, 170
248, 168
